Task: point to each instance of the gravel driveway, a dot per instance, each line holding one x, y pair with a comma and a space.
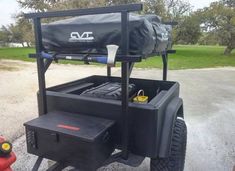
209, 101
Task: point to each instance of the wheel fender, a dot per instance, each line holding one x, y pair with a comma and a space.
175, 106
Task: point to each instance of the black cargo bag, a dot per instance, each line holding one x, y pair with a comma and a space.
91, 34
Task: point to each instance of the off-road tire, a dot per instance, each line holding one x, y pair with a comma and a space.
176, 160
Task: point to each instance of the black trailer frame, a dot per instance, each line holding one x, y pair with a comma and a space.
127, 62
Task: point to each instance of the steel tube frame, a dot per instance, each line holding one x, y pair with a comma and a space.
42, 101
165, 65
37, 164
125, 83
126, 66
82, 57
89, 11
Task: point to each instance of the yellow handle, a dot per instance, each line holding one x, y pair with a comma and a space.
141, 98
140, 91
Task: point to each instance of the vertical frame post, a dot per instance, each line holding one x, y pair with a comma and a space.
42, 103
37, 164
125, 83
165, 65
131, 65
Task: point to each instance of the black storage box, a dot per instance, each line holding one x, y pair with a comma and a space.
81, 141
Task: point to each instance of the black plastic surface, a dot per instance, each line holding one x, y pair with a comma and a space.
108, 90
146, 120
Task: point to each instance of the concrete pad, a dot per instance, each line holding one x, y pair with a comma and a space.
209, 105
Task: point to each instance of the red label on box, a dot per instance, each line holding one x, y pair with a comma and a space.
73, 128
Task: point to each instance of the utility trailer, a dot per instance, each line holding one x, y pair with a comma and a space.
94, 121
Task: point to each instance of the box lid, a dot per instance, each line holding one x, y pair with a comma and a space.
81, 126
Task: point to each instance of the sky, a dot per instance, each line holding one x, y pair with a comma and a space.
197, 4
7, 9
10, 7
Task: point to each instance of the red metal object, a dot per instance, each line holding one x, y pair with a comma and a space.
6, 161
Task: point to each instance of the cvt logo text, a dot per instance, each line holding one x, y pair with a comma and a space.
84, 37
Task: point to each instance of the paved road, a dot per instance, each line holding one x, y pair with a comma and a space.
209, 100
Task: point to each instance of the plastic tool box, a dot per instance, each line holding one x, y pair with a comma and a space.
76, 139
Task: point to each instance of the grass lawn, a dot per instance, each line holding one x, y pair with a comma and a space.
187, 57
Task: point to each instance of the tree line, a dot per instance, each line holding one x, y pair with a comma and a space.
208, 26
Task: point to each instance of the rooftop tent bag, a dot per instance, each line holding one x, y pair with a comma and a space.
170, 38
91, 34
162, 33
